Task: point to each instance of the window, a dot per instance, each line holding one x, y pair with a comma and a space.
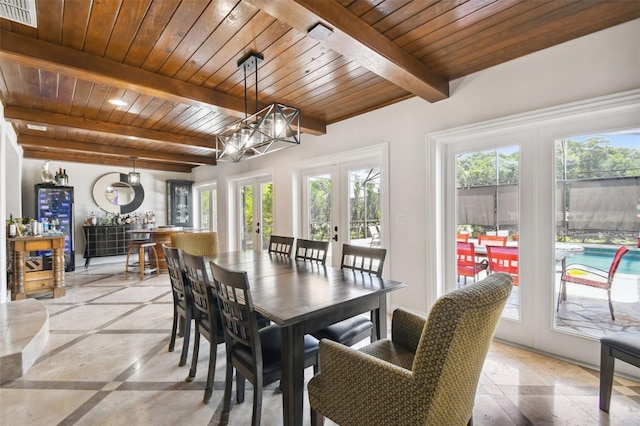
208, 207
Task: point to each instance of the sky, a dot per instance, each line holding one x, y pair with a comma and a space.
628, 139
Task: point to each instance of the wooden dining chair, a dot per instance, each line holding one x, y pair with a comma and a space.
207, 317
467, 264
182, 302
256, 354
312, 251
503, 259
281, 245
366, 260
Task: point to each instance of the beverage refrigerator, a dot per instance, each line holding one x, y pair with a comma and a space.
55, 203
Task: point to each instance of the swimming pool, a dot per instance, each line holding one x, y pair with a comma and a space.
601, 258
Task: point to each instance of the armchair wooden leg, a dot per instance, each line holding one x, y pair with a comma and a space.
317, 419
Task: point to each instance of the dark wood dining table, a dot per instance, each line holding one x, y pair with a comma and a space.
302, 297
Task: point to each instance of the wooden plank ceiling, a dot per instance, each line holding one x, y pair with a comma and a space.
175, 65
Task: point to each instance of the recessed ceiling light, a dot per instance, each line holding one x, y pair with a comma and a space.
36, 127
117, 102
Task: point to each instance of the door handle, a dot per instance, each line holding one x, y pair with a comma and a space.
335, 237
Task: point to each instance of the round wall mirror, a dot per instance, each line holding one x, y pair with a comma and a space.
112, 193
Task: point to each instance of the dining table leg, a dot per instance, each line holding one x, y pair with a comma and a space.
379, 318
292, 381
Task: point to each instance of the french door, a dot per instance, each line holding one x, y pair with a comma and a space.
532, 206
343, 204
207, 207
255, 213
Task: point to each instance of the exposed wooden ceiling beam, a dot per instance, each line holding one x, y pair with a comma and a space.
54, 154
80, 147
26, 116
59, 59
355, 39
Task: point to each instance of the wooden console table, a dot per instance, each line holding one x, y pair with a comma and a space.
25, 282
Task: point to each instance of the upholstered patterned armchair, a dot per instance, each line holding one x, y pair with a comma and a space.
196, 243
426, 374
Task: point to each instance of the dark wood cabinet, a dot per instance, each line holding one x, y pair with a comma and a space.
106, 240
180, 203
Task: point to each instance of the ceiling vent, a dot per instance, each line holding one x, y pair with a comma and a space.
21, 11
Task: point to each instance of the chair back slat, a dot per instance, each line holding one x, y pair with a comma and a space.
368, 260
204, 300
172, 255
281, 245
236, 308
312, 251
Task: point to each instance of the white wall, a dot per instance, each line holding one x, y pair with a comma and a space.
603, 63
10, 194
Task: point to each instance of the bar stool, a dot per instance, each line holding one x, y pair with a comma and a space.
144, 266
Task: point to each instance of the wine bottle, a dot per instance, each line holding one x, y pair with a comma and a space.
12, 226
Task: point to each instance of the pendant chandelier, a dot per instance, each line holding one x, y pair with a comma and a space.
134, 177
271, 129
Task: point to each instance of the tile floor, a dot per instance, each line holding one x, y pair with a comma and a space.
106, 363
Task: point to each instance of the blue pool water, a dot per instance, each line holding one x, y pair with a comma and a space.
601, 258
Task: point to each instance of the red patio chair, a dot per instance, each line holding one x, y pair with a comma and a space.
492, 240
504, 259
462, 238
467, 265
593, 277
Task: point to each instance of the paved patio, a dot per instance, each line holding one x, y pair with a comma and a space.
586, 310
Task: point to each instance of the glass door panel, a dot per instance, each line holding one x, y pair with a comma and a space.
365, 209
317, 223
487, 200
256, 207
247, 225
266, 209
207, 207
597, 211
320, 216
